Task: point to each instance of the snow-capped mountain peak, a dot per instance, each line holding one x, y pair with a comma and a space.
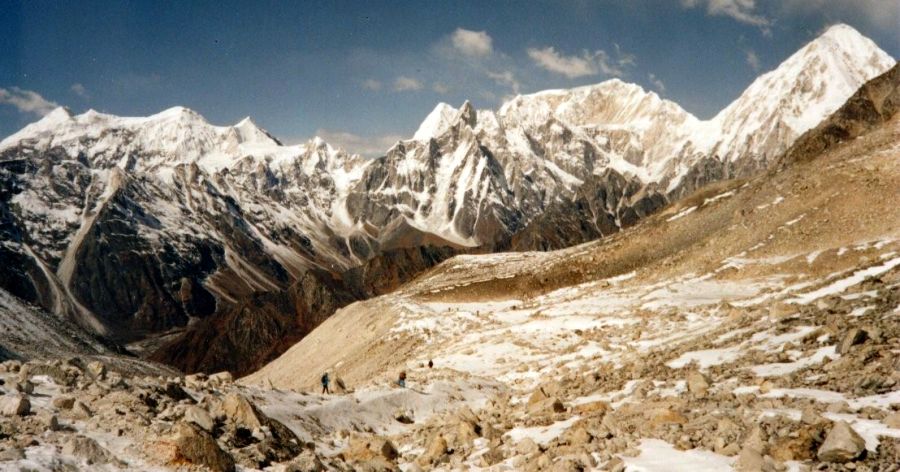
811, 84
436, 122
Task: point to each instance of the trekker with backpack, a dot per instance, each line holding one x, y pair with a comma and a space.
325, 381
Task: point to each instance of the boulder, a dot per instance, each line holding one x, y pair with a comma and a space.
750, 459
548, 406
51, 422
220, 379
661, 416
893, 420
239, 410
88, 450
307, 461
11, 453
199, 416
25, 387
13, 405
96, 369
578, 436
843, 444
63, 402
592, 408
365, 448
853, 337
799, 445
195, 381
697, 383
199, 447
435, 453
81, 411
527, 446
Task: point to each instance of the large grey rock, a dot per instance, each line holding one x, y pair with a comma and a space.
843, 444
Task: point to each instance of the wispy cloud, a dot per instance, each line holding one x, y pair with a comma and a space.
744, 11
369, 146
657, 83
505, 78
80, 90
586, 64
881, 13
472, 43
371, 84
26, 101
440, 88
407, 84
753, 60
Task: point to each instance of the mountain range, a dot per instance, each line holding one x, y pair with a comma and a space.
217, 247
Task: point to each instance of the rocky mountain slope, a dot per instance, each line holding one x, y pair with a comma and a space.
167, 233
751, 326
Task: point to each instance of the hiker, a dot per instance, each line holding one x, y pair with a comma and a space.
430, 363
325, 381
402, 381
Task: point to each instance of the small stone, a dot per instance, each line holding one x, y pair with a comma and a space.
766, 387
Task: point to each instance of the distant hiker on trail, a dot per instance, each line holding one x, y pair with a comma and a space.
325, 382
430, 363
402, 381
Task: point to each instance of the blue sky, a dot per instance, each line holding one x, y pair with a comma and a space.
362, 74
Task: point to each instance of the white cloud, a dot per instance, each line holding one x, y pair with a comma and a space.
472, 43
79, 90
371, 84
588, 63
753, 60
505, 78
405, 84
26, 101
440, 88
743, 11
369, 146
882, 13
657, 83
